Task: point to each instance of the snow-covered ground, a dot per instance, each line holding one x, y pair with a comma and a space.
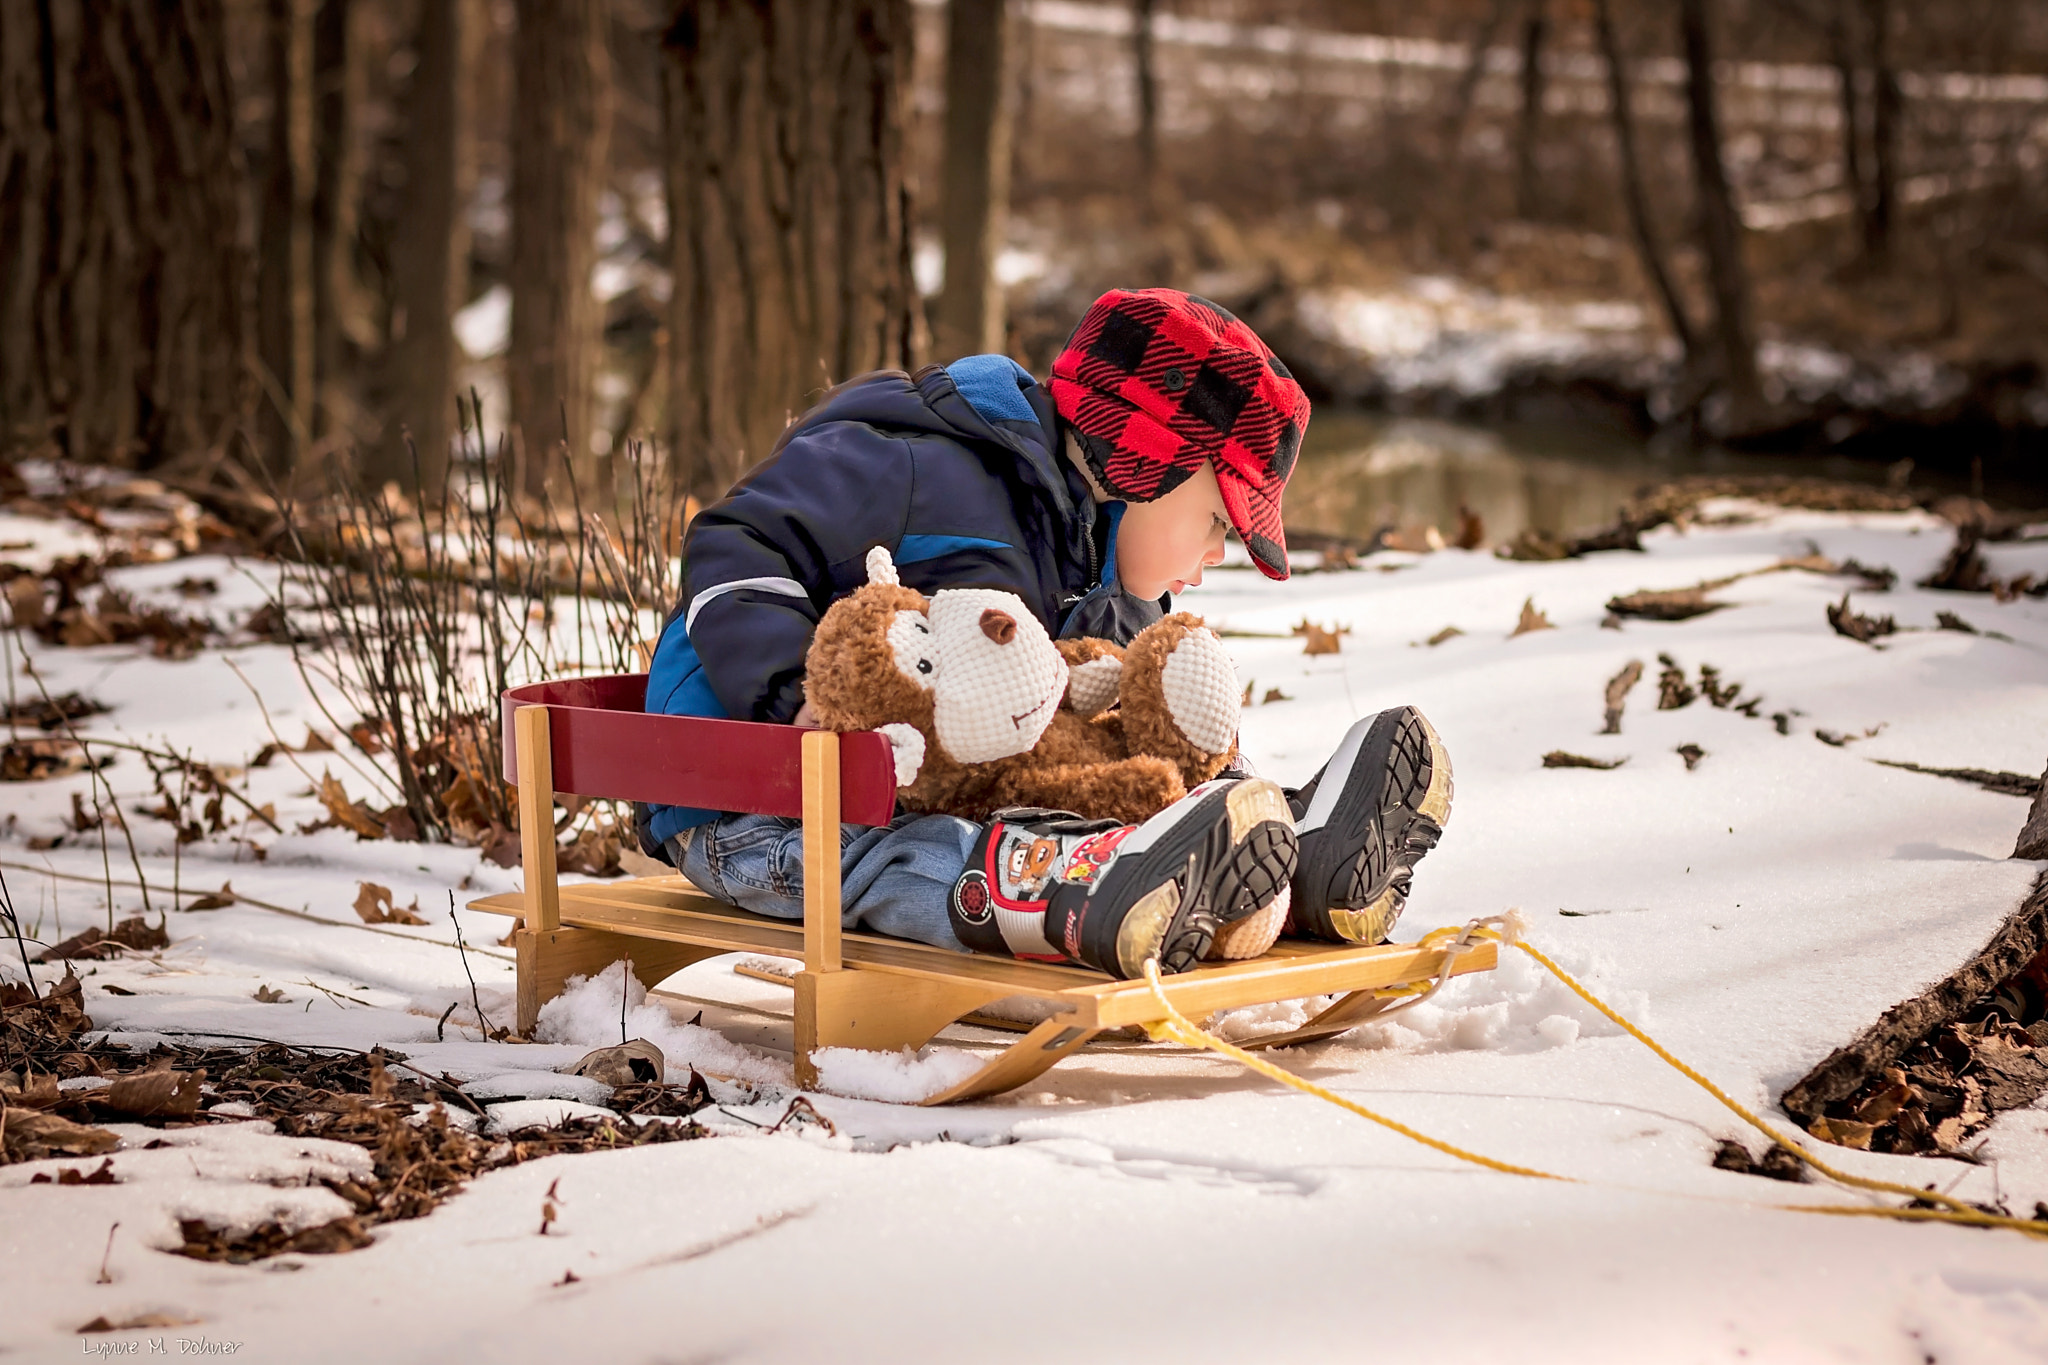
1150, 1203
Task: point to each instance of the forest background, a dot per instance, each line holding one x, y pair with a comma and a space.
245, 241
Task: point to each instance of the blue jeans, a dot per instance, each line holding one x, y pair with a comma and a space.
895, 879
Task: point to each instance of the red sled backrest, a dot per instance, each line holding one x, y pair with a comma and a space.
603, 744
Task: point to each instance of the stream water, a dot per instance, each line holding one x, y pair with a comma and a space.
1360, 472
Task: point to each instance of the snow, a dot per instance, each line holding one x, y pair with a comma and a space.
1433, 332
1753, 914
904, 1077
593, 1012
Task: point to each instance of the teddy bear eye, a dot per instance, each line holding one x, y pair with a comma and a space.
914, 648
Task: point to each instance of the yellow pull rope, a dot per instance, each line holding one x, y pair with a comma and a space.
1176, 1027
1832, 1173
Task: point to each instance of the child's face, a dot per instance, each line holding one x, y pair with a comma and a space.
1162, 546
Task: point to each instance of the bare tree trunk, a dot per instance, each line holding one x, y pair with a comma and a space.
1885, 101
1469, 78
124, 282
1528, 184
975, 191
1719, 224
337, 194
284, 287
560, 130
790, 216
1842, 52
1647, 249
430, 259
1146, 78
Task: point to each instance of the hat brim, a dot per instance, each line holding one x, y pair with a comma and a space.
1255, 514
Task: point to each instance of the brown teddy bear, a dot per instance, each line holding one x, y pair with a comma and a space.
984, 711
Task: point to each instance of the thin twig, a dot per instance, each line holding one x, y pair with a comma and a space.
20, 939
241, 899
98, 780
475, 1000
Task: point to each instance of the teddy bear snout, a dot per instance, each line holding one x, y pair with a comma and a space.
999, 626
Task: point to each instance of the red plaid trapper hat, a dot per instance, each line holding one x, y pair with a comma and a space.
1155, 381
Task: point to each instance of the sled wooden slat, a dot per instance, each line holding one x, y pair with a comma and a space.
854, 989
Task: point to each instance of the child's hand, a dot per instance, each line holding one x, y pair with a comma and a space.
806, 717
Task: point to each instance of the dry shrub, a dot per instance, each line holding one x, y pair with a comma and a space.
421, 608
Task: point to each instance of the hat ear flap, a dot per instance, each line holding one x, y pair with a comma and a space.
881, 568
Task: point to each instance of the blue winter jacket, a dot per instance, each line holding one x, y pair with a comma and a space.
958, 470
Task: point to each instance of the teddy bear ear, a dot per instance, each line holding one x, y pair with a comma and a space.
881, 568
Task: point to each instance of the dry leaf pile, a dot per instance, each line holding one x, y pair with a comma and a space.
51, 713
1964, 569
40, 757
372, 1100
1948, 1087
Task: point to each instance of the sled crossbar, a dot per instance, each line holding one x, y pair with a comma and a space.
854, 990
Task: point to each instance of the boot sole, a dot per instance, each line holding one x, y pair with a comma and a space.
1360, 843
1228, 864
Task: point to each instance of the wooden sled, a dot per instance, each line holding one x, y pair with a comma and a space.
590, 736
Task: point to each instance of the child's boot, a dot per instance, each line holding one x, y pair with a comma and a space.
1048, 886
1364, 821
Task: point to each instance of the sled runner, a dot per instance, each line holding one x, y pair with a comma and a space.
590, 737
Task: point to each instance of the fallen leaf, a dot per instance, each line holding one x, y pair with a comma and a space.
1844, 1132
1274, 694
1531, 619
1674, 692
136, 1324
153, 1094
1670, 604
1618, 688
1692, 754
103, 1175
350, 815
1447, 633
32, 1136
134, 933
215, 900
1471, 530
1558, 758
38, 759
501, 846
1414, 539
25, 602
1320, 639
267, 995
374, 905
1858, 627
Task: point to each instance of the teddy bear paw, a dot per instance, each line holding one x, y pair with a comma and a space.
1093, 685
906, 745
1200, 683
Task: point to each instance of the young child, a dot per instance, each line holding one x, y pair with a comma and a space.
1166, 423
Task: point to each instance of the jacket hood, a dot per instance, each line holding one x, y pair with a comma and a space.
931, 402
